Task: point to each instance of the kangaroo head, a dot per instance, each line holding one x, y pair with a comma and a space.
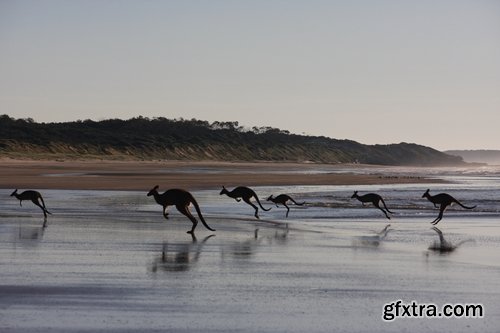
153, 191
355, 195
14, 193
426, 194
223, 191
270, 198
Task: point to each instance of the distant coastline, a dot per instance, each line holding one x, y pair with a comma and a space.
148, 139
491, 157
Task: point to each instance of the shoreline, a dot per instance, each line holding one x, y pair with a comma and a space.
195, 175
121, 270
111, 262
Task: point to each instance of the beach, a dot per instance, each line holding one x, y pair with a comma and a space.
143, 175
107, 260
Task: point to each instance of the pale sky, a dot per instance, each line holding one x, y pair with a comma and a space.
425, 71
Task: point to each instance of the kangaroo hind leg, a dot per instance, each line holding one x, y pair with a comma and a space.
440, 216
287, 209
247, 200
44, 207
184, 210
35, 201
383, 211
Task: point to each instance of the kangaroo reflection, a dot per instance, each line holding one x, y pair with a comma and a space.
444, 246
373, 240
27, 236
179, 257
31, 233
248, 247
281, 237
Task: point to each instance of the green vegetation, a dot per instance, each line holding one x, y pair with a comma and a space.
161, 138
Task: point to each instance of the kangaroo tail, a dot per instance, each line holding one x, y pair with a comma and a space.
383, 202
298, 204
195, 204
258, 201
44, 208
464, 206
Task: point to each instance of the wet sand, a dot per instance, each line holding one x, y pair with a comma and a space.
109, 262
134, 175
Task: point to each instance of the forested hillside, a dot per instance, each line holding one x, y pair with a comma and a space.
161, 138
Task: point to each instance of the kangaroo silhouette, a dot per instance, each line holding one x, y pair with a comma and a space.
283, 199
375, 199
181, 199
245, 194
34, 196
444, 200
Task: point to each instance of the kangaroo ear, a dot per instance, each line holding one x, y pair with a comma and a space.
156, 187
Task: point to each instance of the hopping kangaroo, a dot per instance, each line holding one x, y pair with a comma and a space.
444, 200
246, 194
181, 199
375, 199
283, 199
34, 196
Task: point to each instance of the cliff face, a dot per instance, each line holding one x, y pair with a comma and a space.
160, 138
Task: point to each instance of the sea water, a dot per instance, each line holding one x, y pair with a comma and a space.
109, 261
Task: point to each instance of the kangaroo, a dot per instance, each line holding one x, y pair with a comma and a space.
34, 196
374, 199
283, 199
444, 200
181, 199
246, 194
